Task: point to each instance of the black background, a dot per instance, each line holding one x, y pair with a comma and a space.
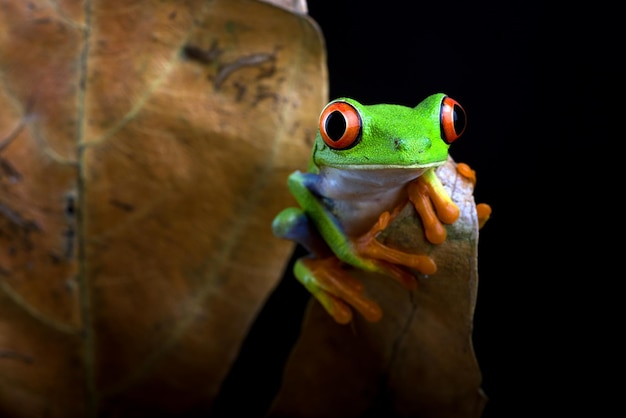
527, 75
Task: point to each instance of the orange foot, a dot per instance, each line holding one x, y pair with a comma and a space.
483, 210
336, 289
368, 246
434, 205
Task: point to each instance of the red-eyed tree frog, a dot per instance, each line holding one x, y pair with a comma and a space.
366, 163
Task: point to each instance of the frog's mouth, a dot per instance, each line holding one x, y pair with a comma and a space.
381, 167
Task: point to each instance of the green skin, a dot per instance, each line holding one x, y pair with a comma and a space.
392, 136
344, 191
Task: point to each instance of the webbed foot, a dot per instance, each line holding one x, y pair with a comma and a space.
336, 289
367, 245
433, 204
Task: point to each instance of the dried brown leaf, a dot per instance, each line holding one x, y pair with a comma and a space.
144, 148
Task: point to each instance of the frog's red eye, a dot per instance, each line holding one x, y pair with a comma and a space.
453, 120
340, 125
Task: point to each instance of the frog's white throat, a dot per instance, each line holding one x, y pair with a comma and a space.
358, 196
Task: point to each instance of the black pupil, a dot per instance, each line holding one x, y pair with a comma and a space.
335, 125
459, 119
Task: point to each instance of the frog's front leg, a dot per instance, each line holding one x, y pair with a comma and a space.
325, 273
369, 246
322, 273
483, 210
302, 186
433, 205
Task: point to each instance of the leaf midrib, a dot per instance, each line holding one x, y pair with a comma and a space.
83, 285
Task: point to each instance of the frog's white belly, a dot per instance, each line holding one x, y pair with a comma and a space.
357, 197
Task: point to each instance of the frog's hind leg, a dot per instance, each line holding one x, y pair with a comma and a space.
335, 288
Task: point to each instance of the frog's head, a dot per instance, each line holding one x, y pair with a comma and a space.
355, 136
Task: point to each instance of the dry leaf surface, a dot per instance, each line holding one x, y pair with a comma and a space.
144, 148
418, 361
